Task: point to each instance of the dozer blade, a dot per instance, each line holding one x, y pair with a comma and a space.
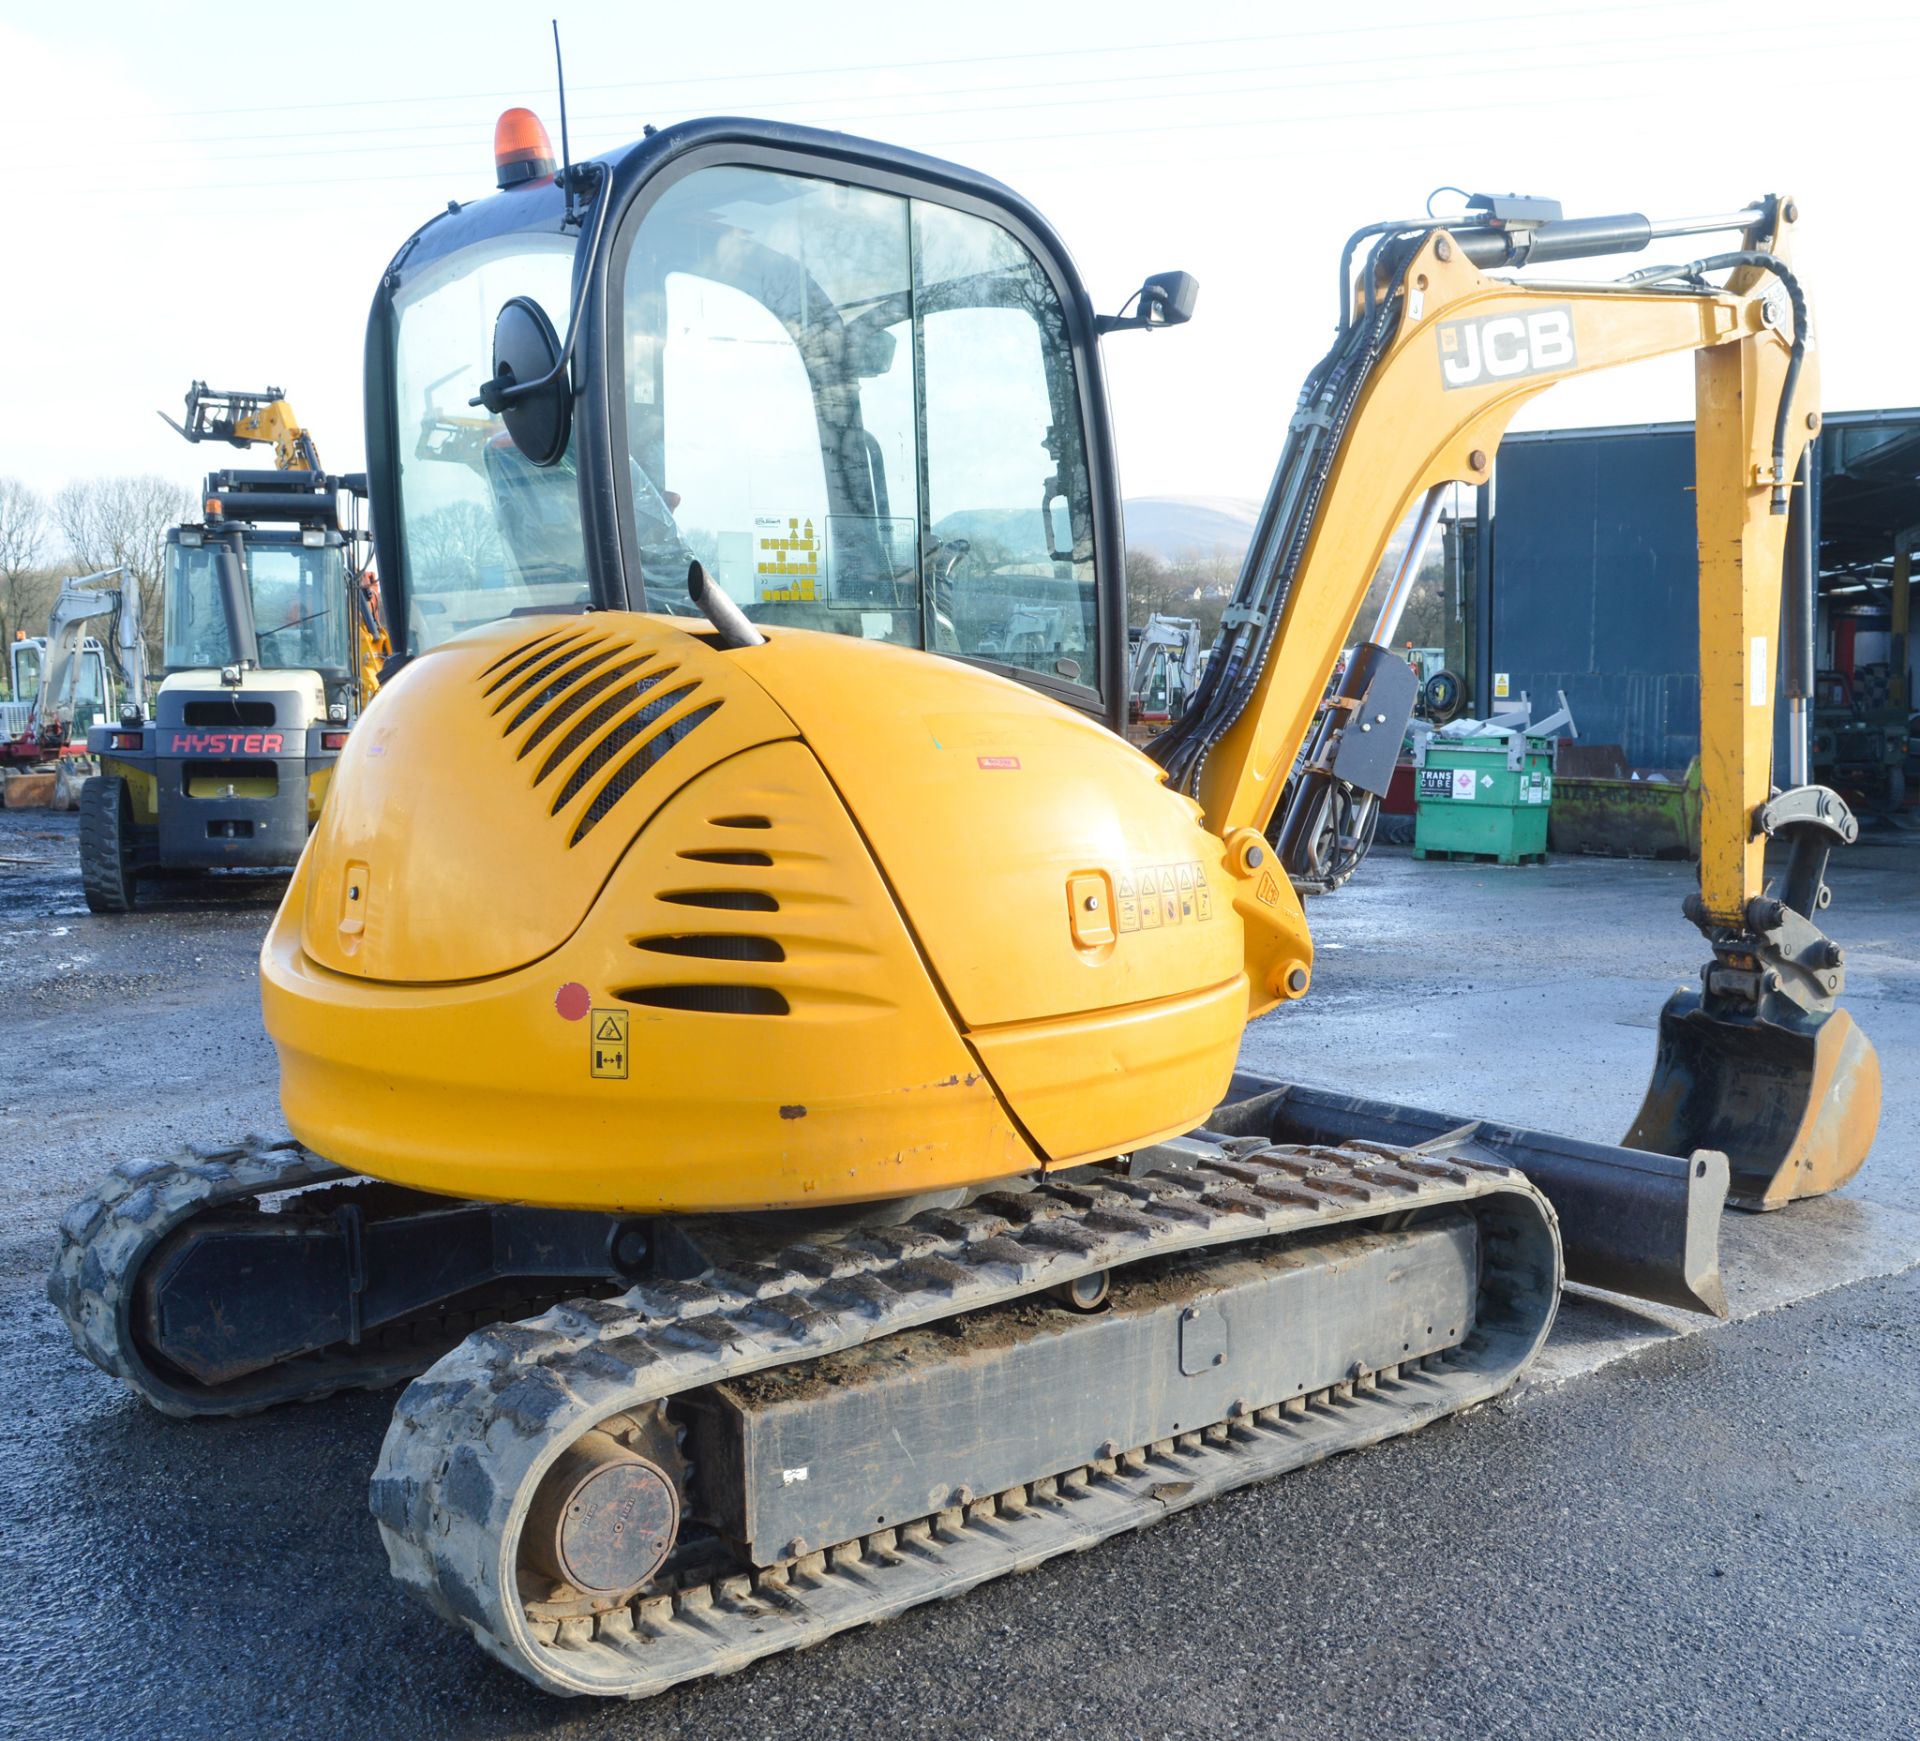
1791, 1098
1644, 1224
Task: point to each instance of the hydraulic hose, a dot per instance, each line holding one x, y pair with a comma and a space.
1796, 297
1346, 264
1251, 626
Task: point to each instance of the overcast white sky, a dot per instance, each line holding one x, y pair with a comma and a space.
213, 191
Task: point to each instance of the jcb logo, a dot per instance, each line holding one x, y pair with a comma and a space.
1503, 346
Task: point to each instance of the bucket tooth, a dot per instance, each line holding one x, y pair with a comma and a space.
1790, 1096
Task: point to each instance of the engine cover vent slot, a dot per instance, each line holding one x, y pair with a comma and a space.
597, 719
706, 946
723, 856
741, 821
595, 699
652, 748
572, 671
734, 900
526, 647
532, 677
713, 1000
531, 654
580, 695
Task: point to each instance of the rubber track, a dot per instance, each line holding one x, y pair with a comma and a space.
106, 1238
471, 1439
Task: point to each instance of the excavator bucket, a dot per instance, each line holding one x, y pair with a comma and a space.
1790, 1097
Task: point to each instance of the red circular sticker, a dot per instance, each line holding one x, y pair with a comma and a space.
573, 1001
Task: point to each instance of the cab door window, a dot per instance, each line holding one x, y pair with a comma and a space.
1010, 557
858, 412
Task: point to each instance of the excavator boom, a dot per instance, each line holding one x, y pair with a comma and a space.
1434, 358
113, 593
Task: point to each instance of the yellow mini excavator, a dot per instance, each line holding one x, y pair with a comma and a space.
760, 1044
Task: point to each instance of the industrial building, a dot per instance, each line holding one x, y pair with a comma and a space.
1574, 569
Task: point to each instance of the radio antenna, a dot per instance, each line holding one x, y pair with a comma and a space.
566, 155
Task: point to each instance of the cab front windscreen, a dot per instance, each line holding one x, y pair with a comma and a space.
298, 596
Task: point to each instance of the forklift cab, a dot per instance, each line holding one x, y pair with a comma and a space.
267, 598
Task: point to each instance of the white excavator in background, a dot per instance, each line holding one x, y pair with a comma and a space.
44, 746
1169, 654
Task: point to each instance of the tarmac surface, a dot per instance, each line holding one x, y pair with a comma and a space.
1677, 1528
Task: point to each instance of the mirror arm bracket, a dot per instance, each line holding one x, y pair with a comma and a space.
495, 394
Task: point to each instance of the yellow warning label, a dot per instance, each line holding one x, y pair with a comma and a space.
607, 1045
1128, 907
1184, 875
1170, 905
787, 565
1203, 900
1149, 884
1149, 910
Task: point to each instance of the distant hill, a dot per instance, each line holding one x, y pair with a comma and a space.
1169, 527
1173, 526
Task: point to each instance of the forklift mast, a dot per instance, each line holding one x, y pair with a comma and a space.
243, 418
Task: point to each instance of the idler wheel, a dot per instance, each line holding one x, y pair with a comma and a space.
604, 1520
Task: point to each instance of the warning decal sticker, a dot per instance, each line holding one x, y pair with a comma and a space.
787, 559
1148, 897
607, 1045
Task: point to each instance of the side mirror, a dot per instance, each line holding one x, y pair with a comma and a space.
529, 391
1166, 299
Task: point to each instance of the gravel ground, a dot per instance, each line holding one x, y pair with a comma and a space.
1717, 1534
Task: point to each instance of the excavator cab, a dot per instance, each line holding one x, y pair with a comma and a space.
931, 466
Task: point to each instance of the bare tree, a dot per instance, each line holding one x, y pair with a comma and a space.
455, 546
109, 521
1423, 621
23, 542
1174, 589
1213, 570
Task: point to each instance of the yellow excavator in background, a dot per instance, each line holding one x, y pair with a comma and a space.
794, 1034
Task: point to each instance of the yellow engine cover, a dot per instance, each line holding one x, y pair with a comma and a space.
601, 914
